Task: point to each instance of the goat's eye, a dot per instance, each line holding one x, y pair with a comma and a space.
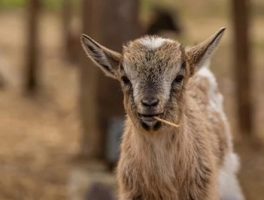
125, 80
178, 79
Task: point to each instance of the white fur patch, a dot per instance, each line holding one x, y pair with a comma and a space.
153, 42
216, 98
228, 184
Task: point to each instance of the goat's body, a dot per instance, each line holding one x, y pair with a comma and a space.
195, 162
160, 78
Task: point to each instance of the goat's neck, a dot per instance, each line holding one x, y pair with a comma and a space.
165, 137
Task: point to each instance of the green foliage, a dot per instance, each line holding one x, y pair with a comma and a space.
12, 3
50, 5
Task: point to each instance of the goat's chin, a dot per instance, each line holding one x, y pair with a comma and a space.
148, 122
145, 125
145, 121
151, 125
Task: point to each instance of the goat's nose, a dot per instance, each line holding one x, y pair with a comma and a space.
149, 101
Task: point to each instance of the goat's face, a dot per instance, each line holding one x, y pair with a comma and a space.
153, 73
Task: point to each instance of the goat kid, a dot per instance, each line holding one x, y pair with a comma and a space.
159, 77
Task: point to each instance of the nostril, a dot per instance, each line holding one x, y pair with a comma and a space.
151, 101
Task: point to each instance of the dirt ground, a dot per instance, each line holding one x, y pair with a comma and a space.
39, 136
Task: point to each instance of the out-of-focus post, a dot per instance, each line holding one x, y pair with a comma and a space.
91, 145
32, 47
111, 23
243, 68
119, 24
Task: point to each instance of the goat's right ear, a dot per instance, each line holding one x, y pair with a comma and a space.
104, 58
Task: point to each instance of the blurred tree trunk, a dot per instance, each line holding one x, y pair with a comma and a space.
32, 46
243, 68
66, 25
90, 140
70, 38
101, 97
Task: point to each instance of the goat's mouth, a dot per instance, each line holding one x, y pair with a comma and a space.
148, 121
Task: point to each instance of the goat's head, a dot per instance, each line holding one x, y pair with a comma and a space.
153, 73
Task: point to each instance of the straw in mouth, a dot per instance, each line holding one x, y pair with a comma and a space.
166, 122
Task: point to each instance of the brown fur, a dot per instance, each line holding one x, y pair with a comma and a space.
171, 163
164, 162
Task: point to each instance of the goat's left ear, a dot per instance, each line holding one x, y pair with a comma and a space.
200, 54
106, 59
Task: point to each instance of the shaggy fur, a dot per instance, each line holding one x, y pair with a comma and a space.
159, 162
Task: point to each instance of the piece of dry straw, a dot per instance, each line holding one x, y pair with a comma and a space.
166, 122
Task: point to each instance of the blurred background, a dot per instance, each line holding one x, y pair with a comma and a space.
61, 119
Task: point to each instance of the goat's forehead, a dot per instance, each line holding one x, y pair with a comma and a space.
150, 53
152, 42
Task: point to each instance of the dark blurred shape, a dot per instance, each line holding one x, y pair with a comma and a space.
99, 191
114, 134
164, 20
243, 68
2, 81
32, 52
111, 23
